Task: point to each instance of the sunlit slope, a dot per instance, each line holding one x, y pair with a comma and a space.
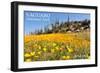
57, 46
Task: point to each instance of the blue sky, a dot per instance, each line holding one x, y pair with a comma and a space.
34, 20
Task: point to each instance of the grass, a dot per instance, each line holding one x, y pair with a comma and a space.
57, 46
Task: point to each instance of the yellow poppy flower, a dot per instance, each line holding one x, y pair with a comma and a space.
27, 55
39, 52
44, 49
70, 50
39, 47
54, 44
32, 53
57, 48
65, 57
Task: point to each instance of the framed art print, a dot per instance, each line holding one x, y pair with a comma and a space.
52, 36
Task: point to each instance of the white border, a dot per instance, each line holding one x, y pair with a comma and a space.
22, 64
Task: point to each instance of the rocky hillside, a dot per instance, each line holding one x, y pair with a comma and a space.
63, 27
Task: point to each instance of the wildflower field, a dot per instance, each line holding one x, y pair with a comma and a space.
57, 46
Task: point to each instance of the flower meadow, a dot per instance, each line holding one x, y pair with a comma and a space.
57, 46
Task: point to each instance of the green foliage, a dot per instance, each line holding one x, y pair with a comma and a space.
63, 27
